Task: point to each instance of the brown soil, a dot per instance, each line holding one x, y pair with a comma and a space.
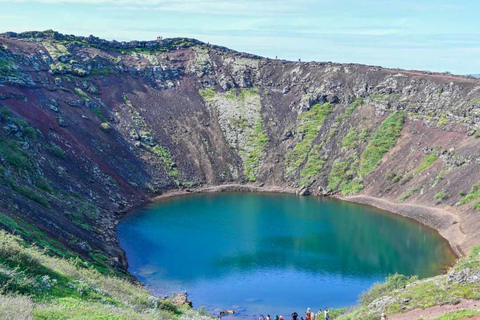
437, 311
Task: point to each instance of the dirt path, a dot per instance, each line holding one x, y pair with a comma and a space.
448, 224
436, 311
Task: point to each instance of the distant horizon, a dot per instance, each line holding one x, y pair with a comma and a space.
435, 35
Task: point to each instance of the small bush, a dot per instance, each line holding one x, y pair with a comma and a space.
441, 196
11, 152
57, 151
43, 185
105, 127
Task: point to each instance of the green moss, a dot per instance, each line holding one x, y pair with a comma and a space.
255, 148
208, 93
310, 123
442, 121
382, 141
431, 158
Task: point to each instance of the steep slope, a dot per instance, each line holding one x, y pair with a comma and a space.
92, 128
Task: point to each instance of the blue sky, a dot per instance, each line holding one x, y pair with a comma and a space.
434, 35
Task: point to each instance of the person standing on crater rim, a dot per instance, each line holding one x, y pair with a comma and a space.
326, 313
294, 315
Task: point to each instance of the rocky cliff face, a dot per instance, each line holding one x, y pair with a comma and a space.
92, 128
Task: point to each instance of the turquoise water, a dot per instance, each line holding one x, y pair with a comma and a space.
271, 253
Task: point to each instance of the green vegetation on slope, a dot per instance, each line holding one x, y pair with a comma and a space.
472, 195
382, 141
7, 68
342, 177
208, 93
400, 293
310, 123
43, 287
350, 139
239, 110
431, 158
313, 166
255, 147
166, 157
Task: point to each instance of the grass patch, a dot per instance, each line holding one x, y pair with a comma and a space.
82, 94
255, 146
442, 121
472, 195
431, 158
12, 153
440, 197
408, 193
384, 97
98, 113
30, 194
208, 93
313, 166
310, 123
378, 290
53, 288
166, 157
57, 151
382, 141
7, 68
353, 106
350, 139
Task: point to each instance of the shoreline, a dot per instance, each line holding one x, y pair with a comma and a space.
444, 222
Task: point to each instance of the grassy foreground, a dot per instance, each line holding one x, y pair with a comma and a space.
34, 285
401, 294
